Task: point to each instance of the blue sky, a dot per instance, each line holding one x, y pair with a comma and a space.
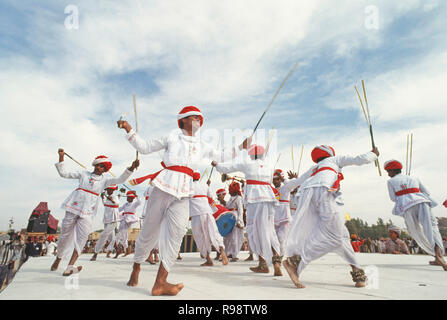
66, 88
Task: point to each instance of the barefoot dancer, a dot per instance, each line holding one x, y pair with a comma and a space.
203, 225
81, 206
128, 218
413, 203
111, 217
318, 227
261, 202
233, 241
167, 213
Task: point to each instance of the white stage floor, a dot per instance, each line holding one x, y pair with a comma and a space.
399, 277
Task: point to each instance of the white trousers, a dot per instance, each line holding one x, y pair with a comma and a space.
318, 228
205, 233
282, 230
165, 221
123, 234
423, 227
261, 230
108, 234
233, 241
74, 234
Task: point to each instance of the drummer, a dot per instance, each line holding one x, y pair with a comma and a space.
203, 225
221, 193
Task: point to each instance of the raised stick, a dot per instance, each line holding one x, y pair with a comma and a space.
411, 154
293, 161
301, 157
406, 157
136, 118
75, 160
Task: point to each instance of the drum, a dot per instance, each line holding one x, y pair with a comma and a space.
225, 220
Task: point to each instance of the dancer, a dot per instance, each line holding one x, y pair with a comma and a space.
413, 203
128, 217
168, 211
318, 227
81, 206
111, 217
234, 240
203, 225
260, 201
221, 193
282, 213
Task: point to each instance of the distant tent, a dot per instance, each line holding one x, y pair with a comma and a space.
41, 220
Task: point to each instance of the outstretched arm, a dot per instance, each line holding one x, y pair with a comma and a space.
143, 146
344, 161
124, 176
60, 166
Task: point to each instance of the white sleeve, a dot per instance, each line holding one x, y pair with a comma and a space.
304, 176
146, 146
230, 167
391, 191
422, 188
218, 155
291, 184
120, 209
60, 166
240, 210
344, 161
118, 180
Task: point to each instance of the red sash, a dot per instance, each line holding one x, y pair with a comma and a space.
407, 191
200, 196
284, 200
128, 213
340, 177
85, 190
152, 176
262, 183
110, 206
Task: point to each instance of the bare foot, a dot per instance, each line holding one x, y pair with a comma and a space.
72, 271
179, 258
234, 259
150, 260
277, 270
207, 264
360, 284
133, 281
166, 289
224, 258
442, 263
55, 264
259, 269
434, 263
108, 254
94, 257
293, 274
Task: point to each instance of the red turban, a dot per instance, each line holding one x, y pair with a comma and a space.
189, 111
131, 194
322, 151
112, 187
221, 191
279, 173
102, 160
256, 150
392, 165
235, 187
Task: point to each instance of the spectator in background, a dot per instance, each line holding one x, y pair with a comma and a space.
356, 242
413, 247
395, 245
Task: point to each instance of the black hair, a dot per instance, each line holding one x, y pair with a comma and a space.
322, 158
395, 171
181, 125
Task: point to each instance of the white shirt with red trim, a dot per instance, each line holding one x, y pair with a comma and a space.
258, 170
84, 201
404, 202
130, 207
327, 178
282, 212
111, 212
198, 204
180, 150
235, 204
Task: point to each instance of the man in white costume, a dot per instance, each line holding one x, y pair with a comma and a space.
282, 213
111, 217
318, 227
167, 212
153, 255
203, 224
81, 206
260, 201
413, 203
234, 240
128, 218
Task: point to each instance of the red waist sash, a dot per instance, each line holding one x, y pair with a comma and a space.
85, 190
128, 213
110, 206
407, 191
340, 177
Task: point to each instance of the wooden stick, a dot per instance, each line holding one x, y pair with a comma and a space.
293, 161
406, 157
411, 154
75, 160
269, 141
361, 103
136, 118
204, 173
301, 157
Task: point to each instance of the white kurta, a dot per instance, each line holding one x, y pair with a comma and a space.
260, 202
111, 212
128, 218
81, 206
415, 208
234, 241
167, 212
318, 227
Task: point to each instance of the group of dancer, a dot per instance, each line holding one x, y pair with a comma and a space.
292, 222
